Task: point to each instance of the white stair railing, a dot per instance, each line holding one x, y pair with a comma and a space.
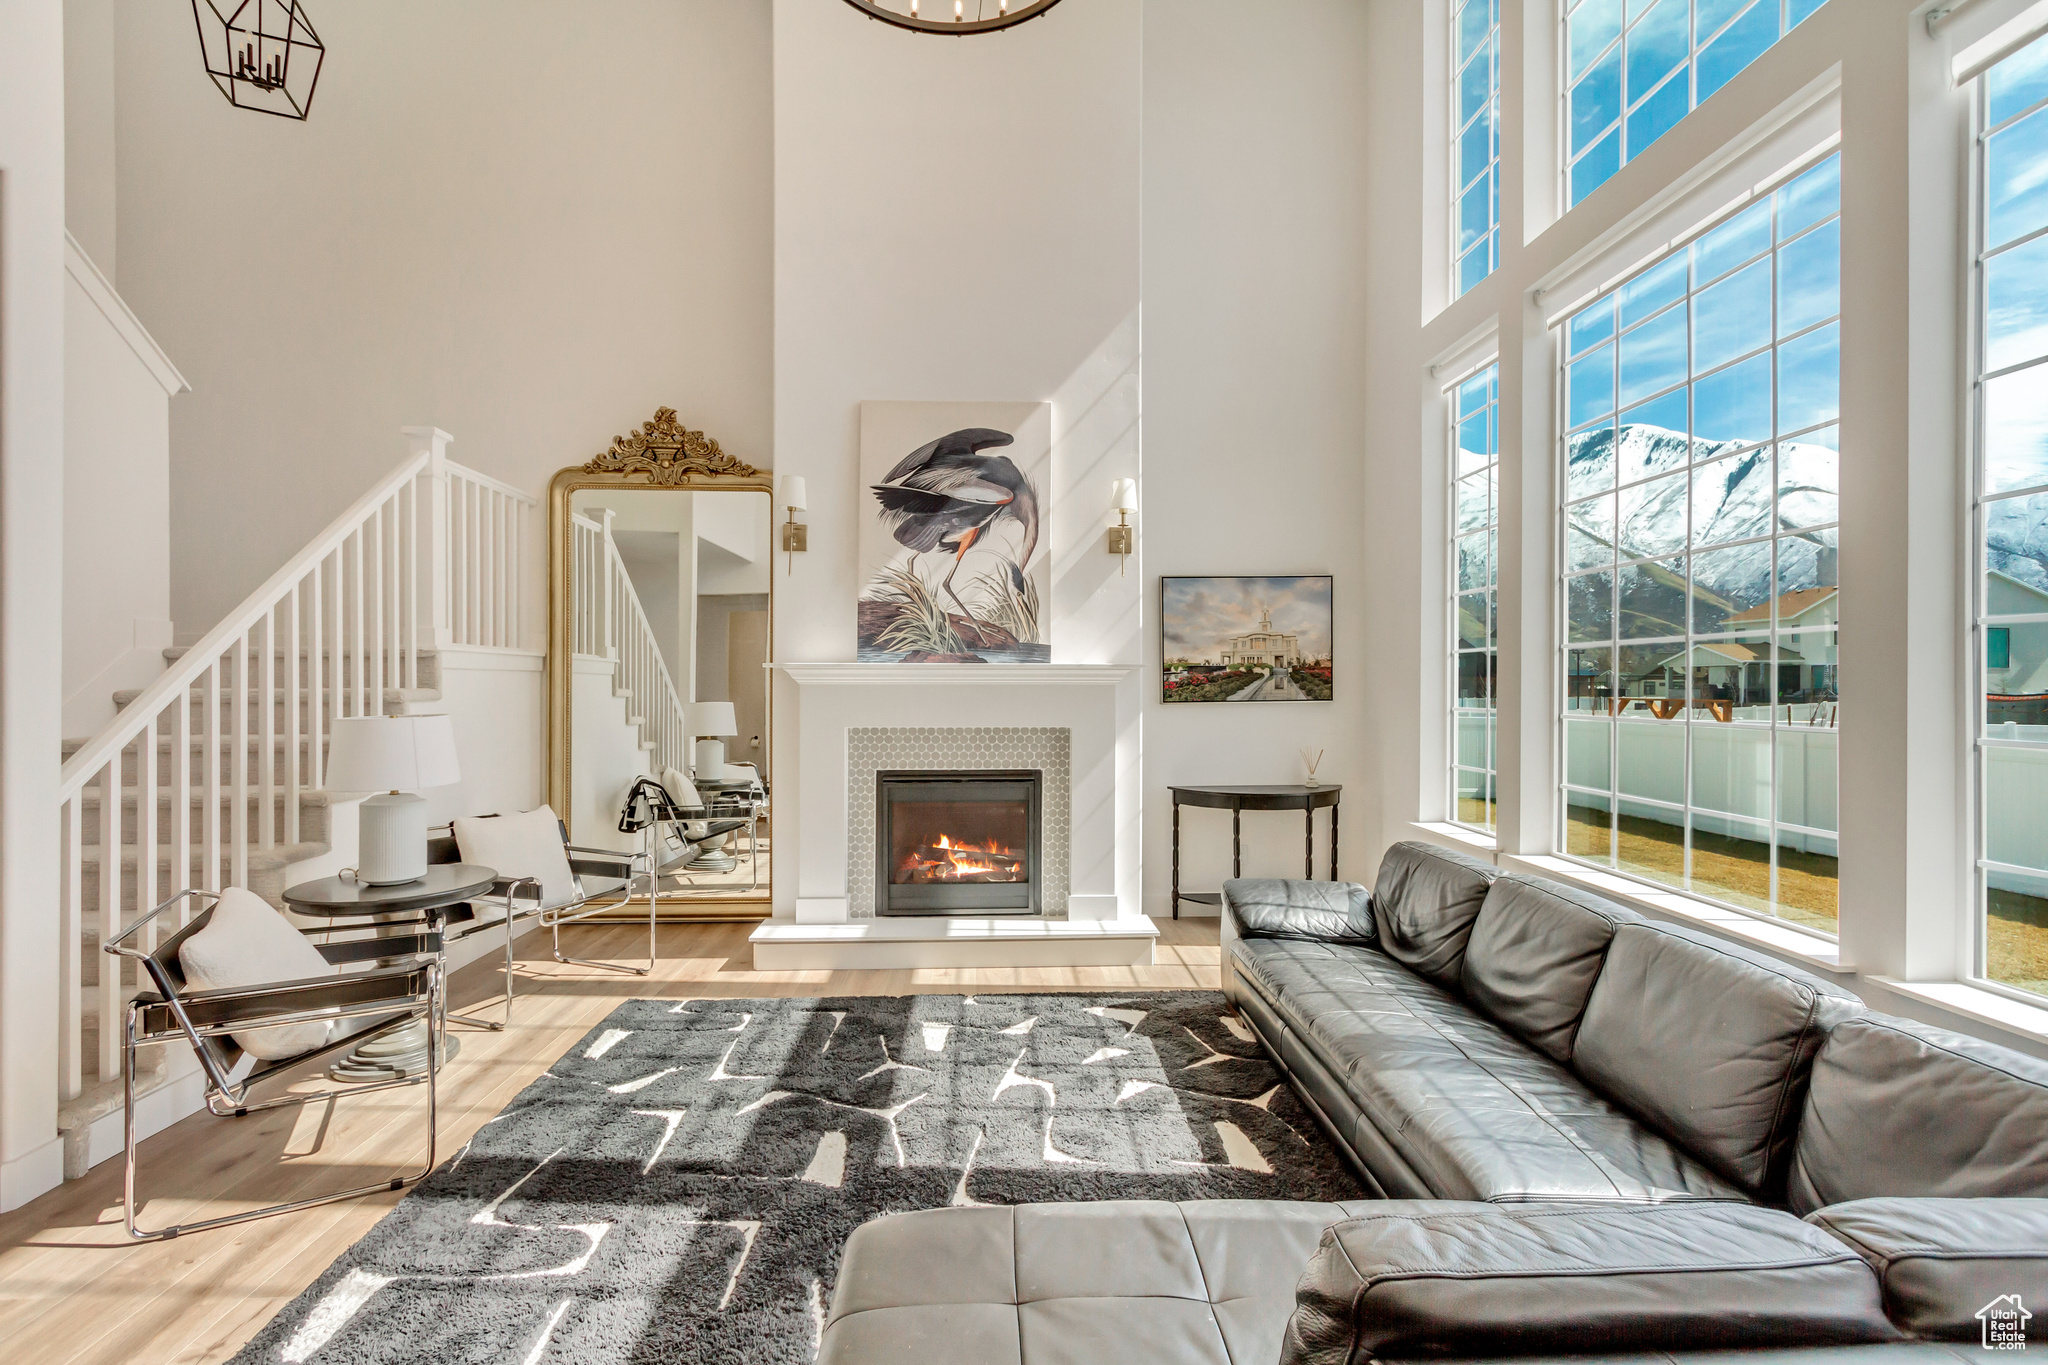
609, 623
206, 767
486, 543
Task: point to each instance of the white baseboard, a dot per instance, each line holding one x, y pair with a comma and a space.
177, 1098
34, 1173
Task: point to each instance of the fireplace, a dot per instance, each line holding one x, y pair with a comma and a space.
958, 843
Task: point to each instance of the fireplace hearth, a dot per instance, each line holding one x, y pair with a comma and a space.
958, 842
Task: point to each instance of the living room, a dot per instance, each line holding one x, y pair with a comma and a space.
1093, 631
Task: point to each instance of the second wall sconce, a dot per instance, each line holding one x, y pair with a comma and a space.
795, 535
1123, 537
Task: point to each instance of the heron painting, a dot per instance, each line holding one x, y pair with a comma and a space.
953, 543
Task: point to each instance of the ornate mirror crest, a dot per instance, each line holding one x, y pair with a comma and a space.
669, 454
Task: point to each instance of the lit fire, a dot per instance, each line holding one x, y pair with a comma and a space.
945, 860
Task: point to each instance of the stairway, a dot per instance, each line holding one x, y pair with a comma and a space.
269, 861
168, 795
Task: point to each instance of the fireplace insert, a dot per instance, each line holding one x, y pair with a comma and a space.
957, 843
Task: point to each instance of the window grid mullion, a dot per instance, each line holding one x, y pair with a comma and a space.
1755, 676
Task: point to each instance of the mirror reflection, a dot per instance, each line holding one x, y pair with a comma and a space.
669, 625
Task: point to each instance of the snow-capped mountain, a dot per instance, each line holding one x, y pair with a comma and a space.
1734, 498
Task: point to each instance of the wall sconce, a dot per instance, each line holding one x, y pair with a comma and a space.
795, 535
1123, 537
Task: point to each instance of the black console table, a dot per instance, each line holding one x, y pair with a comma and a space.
1237, 800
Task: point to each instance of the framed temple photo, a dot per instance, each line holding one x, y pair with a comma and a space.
1246, 639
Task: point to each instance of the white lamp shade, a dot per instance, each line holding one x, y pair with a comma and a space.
1126, 495
391, 754
793, 492
711, 718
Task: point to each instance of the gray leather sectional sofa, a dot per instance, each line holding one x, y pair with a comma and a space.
1592, 1134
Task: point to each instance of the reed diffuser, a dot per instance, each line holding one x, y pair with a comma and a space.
1313, 758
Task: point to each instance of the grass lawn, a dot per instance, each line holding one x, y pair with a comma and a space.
1476, 811
1737, 871
2016, 941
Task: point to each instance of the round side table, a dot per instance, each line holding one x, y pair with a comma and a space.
401, 1051
1239, 799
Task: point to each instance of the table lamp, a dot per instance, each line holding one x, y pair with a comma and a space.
714, 719
394, 756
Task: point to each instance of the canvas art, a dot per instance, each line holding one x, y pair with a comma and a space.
1246, 639
954, 539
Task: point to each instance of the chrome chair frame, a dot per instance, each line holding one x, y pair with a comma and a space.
603, 863
409, 985
645, 864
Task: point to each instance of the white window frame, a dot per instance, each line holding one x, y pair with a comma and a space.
1562, 572
1490, 111
1980, 620
1687, 72
1454, 711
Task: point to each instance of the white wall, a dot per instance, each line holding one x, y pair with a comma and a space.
955, 221
89, 178
608, 757
1258, 134
117, 496
31, 580
651, 560
525, 223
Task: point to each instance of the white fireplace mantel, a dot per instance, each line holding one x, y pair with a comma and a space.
821, 703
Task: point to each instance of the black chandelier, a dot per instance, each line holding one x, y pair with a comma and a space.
965, 16
262, 54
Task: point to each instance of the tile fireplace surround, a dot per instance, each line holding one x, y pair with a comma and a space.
837, 724
870, 750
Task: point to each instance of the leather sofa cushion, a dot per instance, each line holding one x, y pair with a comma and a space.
1327, 912
1467, 1109
1432, 1279
1425, 901
1942, 1262
1122, 1282
1899, 1108
1710, 1043
1534, 955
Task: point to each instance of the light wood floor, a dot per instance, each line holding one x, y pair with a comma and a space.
73, 1288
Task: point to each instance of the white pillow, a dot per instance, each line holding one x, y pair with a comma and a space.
247, 943
681, 790
528, 845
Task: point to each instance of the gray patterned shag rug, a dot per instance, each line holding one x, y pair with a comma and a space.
678, 1186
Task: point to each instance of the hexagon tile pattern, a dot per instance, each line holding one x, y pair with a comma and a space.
986, 748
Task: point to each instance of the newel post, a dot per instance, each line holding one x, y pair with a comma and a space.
433, 443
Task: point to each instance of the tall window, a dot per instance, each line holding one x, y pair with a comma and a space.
1633, 70
2012, 517
1700, 562
1475, 572
1475, 142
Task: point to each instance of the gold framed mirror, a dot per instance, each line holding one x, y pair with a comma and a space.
660, 629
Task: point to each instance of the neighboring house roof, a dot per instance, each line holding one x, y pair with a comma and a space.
1722, 654
1792, 604
2004, 585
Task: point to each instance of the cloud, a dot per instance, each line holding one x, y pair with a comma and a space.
1199, 614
